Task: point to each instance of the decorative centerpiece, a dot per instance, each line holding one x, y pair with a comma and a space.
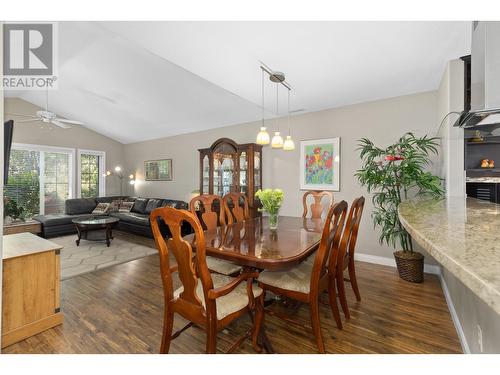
394, 174
271, 200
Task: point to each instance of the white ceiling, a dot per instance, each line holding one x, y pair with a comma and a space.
134, 81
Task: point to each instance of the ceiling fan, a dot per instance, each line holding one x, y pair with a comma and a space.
47, 117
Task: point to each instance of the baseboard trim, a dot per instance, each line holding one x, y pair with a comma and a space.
431, 269
385, 261
454, 316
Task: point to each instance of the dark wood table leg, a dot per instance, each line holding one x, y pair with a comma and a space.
79, 233
262, 339
108, 235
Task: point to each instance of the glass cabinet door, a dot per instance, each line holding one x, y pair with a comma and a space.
227, 174
224, 173
243, 173
217, 187
256, 170
206, 176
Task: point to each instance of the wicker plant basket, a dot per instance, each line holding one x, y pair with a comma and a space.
410, 266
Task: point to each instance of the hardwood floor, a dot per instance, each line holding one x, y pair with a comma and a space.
120, 310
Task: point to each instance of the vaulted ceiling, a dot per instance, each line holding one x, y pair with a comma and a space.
134, 81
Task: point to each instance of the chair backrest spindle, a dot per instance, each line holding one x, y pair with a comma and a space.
329, 245
235, 211
350, 235
316, 207
210, 215
189, 268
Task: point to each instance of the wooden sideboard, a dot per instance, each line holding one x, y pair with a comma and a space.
31, 226
31, 292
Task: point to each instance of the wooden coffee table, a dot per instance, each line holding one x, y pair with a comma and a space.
84, 225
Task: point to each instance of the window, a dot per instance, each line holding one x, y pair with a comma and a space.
23, 186
91, 167
40, 179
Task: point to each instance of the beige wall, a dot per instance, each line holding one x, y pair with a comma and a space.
76, 137
381, 121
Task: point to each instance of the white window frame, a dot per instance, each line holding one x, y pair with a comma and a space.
102, 169
42, 148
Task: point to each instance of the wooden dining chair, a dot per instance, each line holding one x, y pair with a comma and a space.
316, 207
236, 206
309, 279
210, 301
209, 209
346, 254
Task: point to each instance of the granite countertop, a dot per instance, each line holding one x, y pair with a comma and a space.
463, 234
494, 180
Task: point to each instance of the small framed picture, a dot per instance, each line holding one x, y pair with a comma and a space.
158, 170
320, 164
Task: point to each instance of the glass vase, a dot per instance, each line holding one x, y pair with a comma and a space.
273, 220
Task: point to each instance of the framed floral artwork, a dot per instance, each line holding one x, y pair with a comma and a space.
320, 164
158, 170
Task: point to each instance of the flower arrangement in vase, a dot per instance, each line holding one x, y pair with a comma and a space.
271, 200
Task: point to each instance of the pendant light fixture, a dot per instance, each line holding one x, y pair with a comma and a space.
277, 141
263, 135
289, 144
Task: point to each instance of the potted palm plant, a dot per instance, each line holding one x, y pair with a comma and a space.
394, 174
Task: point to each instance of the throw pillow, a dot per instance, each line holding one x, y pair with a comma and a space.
101, 208
115, 205
126, 206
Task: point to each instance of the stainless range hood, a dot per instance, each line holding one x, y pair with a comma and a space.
485, 76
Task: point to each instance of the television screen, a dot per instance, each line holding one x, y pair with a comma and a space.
8, 130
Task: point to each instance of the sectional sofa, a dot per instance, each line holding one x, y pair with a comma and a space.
136, 221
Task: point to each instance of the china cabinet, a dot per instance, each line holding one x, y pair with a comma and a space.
230, 167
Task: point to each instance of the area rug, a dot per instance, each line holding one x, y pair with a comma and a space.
92, 255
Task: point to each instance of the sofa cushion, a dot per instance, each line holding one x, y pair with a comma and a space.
180, 205
55, 219
152, 204
125, 207
80, 206
132, 218
115, 204
140, 205
101, 208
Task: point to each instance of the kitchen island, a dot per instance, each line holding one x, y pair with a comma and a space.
464, 236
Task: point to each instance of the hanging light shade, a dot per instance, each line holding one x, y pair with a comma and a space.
263, 136
277, 141
289, 144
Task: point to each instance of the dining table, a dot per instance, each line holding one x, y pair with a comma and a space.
254, 246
